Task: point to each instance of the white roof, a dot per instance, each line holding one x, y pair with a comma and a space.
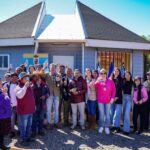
62, 27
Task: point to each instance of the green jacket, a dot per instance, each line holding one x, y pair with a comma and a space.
54, 86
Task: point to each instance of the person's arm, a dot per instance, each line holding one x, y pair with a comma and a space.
113, 91
20, 92
144, 94
84, 89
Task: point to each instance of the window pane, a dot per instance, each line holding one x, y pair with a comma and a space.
5, 61
105, 59
0, 61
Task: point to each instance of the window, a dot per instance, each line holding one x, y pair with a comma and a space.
119, 58
4, 61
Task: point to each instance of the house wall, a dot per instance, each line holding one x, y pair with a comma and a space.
138, 63
90, 58
15, 55
63, 50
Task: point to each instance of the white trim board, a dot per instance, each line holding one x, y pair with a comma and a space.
61, 41
17, 42
117, 44
39, 19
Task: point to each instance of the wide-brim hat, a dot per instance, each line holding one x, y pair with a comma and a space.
22, 75
37, 74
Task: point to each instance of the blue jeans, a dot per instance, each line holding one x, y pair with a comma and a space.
53, 101
127, 103
91, 106
13, 118
104, 114
38, 118
25, 122
116, 111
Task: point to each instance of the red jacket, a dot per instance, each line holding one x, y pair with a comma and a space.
26, 105
81, 87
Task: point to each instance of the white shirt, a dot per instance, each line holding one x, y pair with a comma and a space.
13, 95
20, 92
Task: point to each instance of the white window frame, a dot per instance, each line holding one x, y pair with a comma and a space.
8, 61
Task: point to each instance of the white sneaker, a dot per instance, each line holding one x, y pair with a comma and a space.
101, 130
107, 131
73, 127
83, 127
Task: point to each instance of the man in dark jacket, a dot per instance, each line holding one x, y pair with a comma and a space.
78, 88
41, 93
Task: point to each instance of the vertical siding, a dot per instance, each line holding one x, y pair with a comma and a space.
138, 63
89, 58
63, 50
16, 55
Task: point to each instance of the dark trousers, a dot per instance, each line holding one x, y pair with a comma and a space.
1, 134
37, 122
139, 111
67, 107
147, 115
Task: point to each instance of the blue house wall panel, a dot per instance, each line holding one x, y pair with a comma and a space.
15, 55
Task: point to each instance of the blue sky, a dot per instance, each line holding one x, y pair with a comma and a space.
132, 14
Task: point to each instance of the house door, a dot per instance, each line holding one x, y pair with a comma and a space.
64, 60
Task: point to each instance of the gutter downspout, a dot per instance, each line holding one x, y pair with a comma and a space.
36, 47
83, 53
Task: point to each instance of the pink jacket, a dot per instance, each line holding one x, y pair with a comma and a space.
144, 95
105, 91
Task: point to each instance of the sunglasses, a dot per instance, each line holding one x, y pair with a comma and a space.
102, 73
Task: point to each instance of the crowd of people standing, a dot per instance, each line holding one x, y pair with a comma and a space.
65, 97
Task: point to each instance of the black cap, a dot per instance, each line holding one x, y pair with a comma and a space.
14, 74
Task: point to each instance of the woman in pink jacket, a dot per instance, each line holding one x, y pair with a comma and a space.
105, 91
140, 96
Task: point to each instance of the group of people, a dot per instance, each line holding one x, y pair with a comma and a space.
65, 97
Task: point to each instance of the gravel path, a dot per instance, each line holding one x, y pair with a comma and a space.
66, 139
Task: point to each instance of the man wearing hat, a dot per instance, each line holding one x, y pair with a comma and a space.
147, 86
25, 107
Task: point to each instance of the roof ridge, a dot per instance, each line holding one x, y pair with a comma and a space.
121, 26
21, 12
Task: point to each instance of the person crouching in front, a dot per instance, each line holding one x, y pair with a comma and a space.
25, 107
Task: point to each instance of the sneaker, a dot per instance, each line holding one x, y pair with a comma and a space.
58, 126
12, 135
117, 130
83, 127
107, 131
73, 127
138, 132
33, 134
24, 143
41, 133
101, 130
126, 133
30, 139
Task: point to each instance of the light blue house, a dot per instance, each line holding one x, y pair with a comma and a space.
78, 40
